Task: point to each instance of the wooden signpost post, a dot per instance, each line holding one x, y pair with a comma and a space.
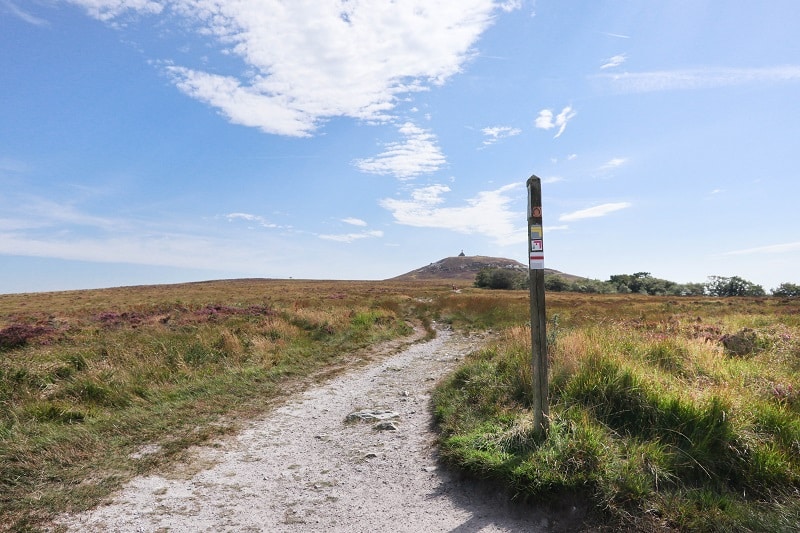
541, 410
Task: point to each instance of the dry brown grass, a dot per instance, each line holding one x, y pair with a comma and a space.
89, 377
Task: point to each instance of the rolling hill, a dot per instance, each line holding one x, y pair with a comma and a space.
466, 267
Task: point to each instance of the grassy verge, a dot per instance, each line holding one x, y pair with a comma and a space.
97, 386
665, 414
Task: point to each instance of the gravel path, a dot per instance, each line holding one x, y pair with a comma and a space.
306, 468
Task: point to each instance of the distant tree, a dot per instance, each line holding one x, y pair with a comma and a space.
626, 283
687, 289
482, 278
734, 286
556, 283
641, 283
501, 278
592, 286
787, 290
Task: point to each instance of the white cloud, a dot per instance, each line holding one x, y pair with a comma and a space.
613, 61
495, 133
615, 162
417, 154
617, 35
771, 249
350, 237
552, 179
308, 60
21, 14
672, 80
511, 5
244, 105
487, 214
594, 212
261, 221
545, 120
108, 9
354, 221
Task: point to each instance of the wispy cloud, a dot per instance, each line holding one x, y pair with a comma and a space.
256, 219
156, 248
351, 237
417, 154
552, 179
673, 80
771, 249
107, 10
21, 14
12, 166
487, 214
496, 133
613, 163
66, 217
308, 60
354, 221
613, 61
548, 120
594, 212
42, 228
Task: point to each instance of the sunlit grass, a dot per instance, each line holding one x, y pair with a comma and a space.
89, 377
651, 417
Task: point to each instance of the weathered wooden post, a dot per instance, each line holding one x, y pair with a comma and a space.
541, 409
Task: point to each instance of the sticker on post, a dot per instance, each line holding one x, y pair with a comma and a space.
537, 261
537, 245
536, 232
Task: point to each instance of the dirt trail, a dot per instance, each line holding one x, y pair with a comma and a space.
305, 468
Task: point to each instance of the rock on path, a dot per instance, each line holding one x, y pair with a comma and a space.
305, 467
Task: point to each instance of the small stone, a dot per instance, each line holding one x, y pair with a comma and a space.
429, 469
386, 426
369, 415
371, 455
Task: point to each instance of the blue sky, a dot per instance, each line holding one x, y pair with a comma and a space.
160, 141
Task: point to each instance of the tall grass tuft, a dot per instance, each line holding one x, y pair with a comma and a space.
652, 419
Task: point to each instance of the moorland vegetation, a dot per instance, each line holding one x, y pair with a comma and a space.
100, 385
636, 283
666, 414
678, 412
